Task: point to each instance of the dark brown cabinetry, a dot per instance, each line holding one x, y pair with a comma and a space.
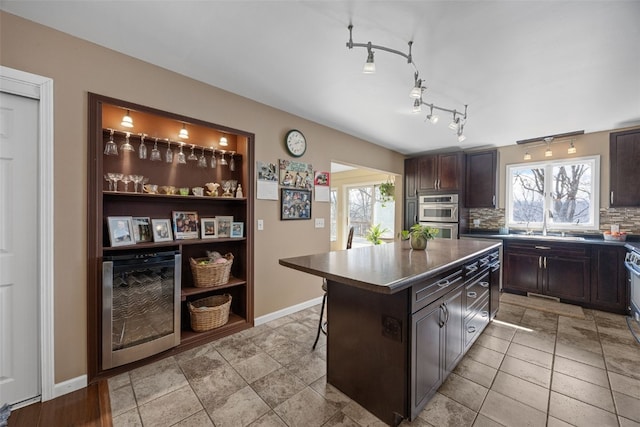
553, 269
439, 172
608, 278
624, 172
105, 114
480, 179
410, 193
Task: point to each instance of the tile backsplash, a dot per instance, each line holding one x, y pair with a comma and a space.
627, 218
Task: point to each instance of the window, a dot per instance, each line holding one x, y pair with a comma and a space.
366, 209
566, 190
333, 197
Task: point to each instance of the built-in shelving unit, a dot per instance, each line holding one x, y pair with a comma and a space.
105, 115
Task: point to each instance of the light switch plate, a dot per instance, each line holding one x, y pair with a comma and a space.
319, 222
260, 224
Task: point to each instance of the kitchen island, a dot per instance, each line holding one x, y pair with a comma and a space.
400, 320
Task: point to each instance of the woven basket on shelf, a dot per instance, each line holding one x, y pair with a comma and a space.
212, 273
209, 313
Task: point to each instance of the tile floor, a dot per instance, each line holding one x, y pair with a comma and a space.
536, 369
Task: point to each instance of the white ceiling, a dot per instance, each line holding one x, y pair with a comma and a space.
526, 68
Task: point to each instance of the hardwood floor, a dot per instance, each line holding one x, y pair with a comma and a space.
88, 407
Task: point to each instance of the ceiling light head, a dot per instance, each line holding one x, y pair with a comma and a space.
461, 137
433, 118
416, 92
527, 156
571, 149
223, 141
454, 122
370, 65
127, 121
184, 133
548, 152
417, 105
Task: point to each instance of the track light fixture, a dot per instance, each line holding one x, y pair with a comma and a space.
418, 87
572, 149
527, 156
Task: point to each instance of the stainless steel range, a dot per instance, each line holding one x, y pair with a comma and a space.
632, 263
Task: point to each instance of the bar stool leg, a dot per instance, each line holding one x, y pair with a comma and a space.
320, 328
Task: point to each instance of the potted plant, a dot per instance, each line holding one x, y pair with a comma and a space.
387, 192
374, 234
405, 237
420, 234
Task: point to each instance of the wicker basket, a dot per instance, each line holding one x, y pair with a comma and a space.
209, 313
210, 274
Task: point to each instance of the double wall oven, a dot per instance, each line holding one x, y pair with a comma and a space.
440, 211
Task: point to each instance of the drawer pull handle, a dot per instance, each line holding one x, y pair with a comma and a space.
471, 329
472, 268
484, 314
444, 283
542, 247
484, 284
472, 294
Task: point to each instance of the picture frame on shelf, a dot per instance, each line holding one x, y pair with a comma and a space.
121, 232
142, 229
161, 229
224, 225
208, 228
295, 204
237, 229
185, 225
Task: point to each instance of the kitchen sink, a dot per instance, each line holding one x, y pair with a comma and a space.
548, 237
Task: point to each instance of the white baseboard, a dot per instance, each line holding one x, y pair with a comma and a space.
286, 311
68, 386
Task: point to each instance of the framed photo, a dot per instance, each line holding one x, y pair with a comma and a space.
295, 204
208, 228
224, 225
142, 229
237, 229
161, 229
185, 224
120, 230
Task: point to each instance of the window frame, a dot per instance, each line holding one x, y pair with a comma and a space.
548, 166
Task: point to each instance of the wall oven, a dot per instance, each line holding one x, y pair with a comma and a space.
446, 230
140, 306
438, 208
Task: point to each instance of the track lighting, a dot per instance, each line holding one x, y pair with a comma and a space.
571, 149
548, 152
127, 121
184, 133
433, 118
418, 87
460, 133
527, 156
454, 123
369, 66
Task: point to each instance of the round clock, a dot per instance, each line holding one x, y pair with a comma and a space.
296, 143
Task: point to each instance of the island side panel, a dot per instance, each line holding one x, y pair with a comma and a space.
368, 349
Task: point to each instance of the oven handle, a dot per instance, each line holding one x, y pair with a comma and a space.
631, 269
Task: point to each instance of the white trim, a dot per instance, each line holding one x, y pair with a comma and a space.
286, 311
69, 386
39, 87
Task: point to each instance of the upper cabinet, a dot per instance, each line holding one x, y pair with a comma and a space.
439, 172
481, 179
624, 172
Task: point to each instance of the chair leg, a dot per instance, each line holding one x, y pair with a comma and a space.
320, 329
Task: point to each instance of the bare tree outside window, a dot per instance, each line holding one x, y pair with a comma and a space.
366, 210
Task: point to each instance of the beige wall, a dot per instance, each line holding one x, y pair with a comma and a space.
78, 67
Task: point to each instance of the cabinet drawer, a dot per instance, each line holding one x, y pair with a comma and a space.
475, 324
425, 293
477, 291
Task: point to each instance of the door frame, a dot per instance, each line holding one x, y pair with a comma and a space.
29, 85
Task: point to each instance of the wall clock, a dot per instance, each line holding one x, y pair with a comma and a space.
295, 142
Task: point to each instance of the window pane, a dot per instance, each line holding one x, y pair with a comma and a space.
527, 186
384, 214
333, 195
571, 194
360, 211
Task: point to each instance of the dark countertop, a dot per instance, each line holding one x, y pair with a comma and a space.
592, 239
388, 268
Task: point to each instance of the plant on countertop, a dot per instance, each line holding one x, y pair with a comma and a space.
404, 235
374, 234
387, 192
420, 234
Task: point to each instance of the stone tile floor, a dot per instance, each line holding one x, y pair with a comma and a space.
529, 368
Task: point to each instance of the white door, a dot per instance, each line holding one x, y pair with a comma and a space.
19, 252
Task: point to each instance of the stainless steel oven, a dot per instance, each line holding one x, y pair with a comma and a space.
446, 230
438, 208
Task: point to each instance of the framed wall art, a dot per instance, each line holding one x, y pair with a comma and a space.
295, 204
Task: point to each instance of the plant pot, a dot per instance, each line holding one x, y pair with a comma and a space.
418, 243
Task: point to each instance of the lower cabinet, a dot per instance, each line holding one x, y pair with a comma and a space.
609, 278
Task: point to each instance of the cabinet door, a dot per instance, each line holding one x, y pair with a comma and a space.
427, 173
454, 335
480, 179
426, 345
410, 212
410, 178
521, 270
608, 278
449, 171
624, 149
566, 277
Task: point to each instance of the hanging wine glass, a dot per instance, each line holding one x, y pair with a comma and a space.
202, 160
142, 150
232, 162
126, 146
181, 157
214, 162
155, 153
111, 149
192, 156
169, 152
223, 161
